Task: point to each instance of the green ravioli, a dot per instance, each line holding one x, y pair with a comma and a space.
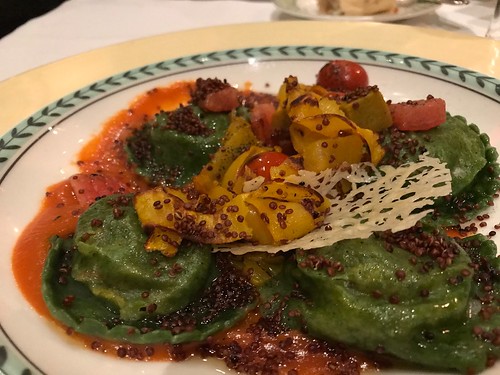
420, 316
167, 155
112, 262
103, 283
468, 155
459, 146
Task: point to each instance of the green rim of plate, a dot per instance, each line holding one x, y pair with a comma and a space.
15, 141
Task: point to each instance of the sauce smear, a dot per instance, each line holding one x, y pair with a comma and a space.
61, 209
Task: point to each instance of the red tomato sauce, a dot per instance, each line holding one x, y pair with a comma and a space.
59, 213
57, 216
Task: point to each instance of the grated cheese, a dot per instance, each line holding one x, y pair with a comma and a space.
388, 199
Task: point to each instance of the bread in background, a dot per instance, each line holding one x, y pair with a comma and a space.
366, 7
356, 7
329, 6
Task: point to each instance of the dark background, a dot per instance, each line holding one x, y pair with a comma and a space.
14, 13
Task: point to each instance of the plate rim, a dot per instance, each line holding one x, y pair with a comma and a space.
42, 85
18, 135
14, 142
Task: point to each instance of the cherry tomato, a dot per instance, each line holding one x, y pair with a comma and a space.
262, 163
342, 75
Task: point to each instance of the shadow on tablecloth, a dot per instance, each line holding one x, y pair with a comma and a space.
14, 13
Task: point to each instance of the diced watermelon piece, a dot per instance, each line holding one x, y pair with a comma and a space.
261, 119
89, 187
417, 115
223, 100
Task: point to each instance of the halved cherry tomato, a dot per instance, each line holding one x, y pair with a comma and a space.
261, 164
342, 75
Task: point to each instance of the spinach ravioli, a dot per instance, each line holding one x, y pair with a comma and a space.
411, 295
468, 155
103, 283
172, 149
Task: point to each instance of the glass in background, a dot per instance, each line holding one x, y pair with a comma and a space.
494, 28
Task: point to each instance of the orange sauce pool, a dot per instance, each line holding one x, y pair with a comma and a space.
59, 213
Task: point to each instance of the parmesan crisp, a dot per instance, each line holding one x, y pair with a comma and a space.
386, 198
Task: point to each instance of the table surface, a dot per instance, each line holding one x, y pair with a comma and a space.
82, 25
96, 38
84, 41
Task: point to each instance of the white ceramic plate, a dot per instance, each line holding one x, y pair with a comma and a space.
41, 150
309, 10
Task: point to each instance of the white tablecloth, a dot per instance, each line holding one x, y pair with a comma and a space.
81, 25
